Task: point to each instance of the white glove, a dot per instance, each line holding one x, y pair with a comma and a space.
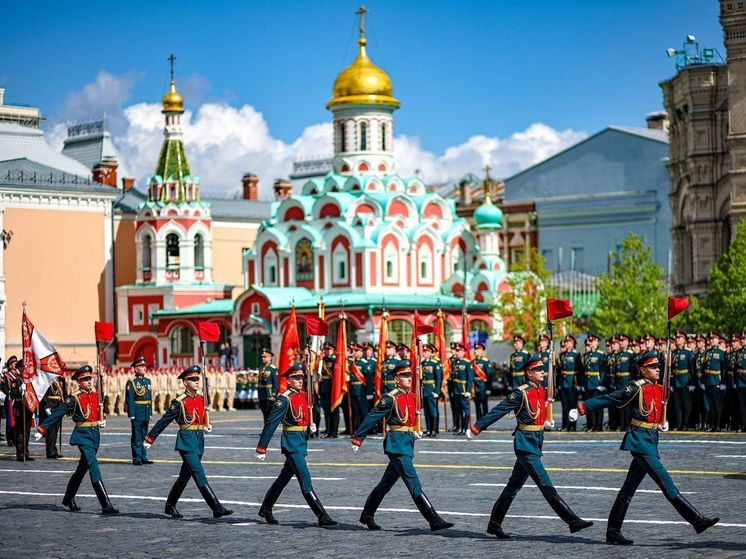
369, 397
418, 434
690, 388
573, 415
38, 436
260, 456
469, 434
722, 387
355, 448
435, 395
601, 389
48, 411
549, 424
313, 428
132, 418
102, 424
146, 446
208, 428
663, 427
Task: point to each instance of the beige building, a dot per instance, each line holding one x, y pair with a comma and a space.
706, 107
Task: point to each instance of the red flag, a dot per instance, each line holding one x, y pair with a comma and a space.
316, 326
677, 305
208, 331
382, 339
339, 376
558, 308
414, 348
445, 363
289, 349
420, 326
104, 331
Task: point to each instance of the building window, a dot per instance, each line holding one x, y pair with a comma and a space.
479, 331
199, 252
457, 256
303, 261
138, 315
576, 258
172, 251
255, 308
391, 259
426, 263
182, 342
383, 136
147, 254
400, 331
363, 136
342, 138
334, 329
270, 268
152, 309
339, 260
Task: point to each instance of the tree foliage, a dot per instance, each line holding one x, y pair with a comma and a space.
632, 298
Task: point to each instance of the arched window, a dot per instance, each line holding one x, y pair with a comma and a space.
391, 262
303, 261
199, 252
147, 254
270, 269
342, 138
383, 136
172, 251
457, 257
426, 263
334, 328
400, 331
339, 262
363, 136
182, 342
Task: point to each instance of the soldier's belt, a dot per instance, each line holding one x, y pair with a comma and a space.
142, 401
264, 385
54, 397
192, 427
568, 374
428, 382
526, 427
352, 381
86, 424
681, 371
459, 381
644, 424
593, 374
713, 371
326, 377
399, 428
622, 374
294, 427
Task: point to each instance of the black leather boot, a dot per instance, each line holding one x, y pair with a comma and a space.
499, 510
208, 495
106, 507
692, 516
565, 513
318, 509
370, 508
273, 493
72, 489
173, 498
614, 527
431, 515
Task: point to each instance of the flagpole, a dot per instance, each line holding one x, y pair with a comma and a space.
23, 403
666, 376
550, 380
204, 374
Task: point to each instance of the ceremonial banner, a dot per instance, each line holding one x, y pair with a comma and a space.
208, 332
382, 339
289, 349
41, 364
104, 332
558, 308
339, 376
677, 305
445, 363
316, 326
420, 329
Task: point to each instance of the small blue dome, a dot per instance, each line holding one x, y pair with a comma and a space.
488, 215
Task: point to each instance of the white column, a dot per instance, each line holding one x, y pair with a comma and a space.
158, 265
3, 296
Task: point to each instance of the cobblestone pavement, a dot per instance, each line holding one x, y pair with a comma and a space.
461, 478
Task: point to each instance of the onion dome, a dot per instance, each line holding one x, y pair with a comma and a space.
173, 101
488, 215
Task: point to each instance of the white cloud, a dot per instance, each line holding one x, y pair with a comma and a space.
223, 141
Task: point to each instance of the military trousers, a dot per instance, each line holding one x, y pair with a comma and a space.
53, 430
266, 407
191, 466
713, 399
642, 465
569, 399
432, 417
742, 407
681, 402
88, 463
359, 410
295, 465
325, 400
480, 402
529, 465
400, 467
137, 440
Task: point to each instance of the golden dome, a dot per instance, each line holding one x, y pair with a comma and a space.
362, 82
173, 101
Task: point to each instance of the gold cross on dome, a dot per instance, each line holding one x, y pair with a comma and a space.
171, 60
361, 12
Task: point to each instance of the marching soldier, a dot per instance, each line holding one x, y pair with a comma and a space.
528, 403
569, 361
432, 379
593, 381
83, 406
641, 440
292, 411
713, 365
358, 386
188, 410
268, 384
481, 387
399, 410
683, 367
51, 401
139, 409
516, 361
463, 377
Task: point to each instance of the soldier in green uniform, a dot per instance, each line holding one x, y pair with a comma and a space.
450, 387
432, 378
481, 387
358, 386
463, 377
139, 408
641, 440
399, 410
369, 372
713, 366
267, 383
325, 390
188, 410
292, 411
543, 351
623, 370
528, 403
83, 406
593, 381
516, 361
390, 363
731, 396
611, 380
739, 381
569, 362
683, 370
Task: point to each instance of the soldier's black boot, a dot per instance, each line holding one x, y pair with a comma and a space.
370, 508
614, 527
273, 493
565, 513
692, 516
106, 507
431, 515
318, 509
499, 510
211, 499
173, 498
72, 489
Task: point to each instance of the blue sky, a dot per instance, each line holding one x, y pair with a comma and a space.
460, 68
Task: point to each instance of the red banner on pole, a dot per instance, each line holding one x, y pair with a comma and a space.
208, 331
289, 349
339, 376
558, 308
677, 305
104, 331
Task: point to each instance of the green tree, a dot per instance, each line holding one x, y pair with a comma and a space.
523, 306
631, 297
724, 306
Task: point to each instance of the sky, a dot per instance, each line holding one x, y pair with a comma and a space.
483, 81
